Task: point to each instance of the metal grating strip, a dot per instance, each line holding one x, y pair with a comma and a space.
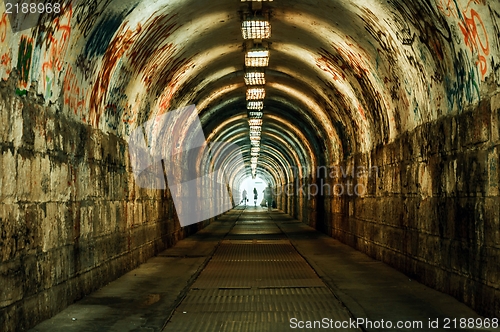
255, 285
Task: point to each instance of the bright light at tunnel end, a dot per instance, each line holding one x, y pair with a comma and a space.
161, 153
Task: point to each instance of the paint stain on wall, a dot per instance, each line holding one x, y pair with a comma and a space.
24, 62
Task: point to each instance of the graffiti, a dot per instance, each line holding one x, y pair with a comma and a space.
74, 95
473, 29
473, 39
48, 24
145, 43
48, 87
495, 19
466, 87
156, 31
5, 61
171, 80
328, 63
54, 50
355, 60
116, 98
117, 47
111, 114
379, 33
403, 31
87, 14
24, 60
3, 28
361, 112
58, 43
85, 66
103, 33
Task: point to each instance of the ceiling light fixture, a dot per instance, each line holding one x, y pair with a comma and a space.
256, 93
257, 57
255, 122
254, 138
255, 115
255, 105
255, 129
255, 77
256, 28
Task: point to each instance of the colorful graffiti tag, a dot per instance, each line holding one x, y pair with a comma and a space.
24, 63
472, 27
56, 46
74, 95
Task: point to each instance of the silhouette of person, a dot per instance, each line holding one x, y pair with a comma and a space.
244, 196
268, 196
255, 195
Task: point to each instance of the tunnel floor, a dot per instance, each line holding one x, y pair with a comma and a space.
254, 270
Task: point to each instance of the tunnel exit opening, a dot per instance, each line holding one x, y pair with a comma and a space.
248, 185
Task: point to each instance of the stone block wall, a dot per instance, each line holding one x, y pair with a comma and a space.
431, 207
71, 217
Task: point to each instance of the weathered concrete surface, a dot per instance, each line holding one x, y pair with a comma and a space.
432, 208
71, 217
143, 298
369, 288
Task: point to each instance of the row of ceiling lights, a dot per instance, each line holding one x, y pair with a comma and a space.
255, 30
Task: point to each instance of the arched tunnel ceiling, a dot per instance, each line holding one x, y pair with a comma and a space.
344, 76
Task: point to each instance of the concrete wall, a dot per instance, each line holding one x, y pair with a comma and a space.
71, 217
433, 208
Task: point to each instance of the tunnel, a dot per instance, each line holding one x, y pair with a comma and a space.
129, 128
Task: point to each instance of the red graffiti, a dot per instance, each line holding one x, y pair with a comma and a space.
345, 59
74, 95
3, 28
361, 111
328, 63
57, 42
24, 60
355, 60
473, 40
156, 30
172, 82
116, 48
473, 29
327, 66
5, 61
